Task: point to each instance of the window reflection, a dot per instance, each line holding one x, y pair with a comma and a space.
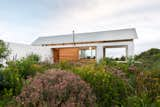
88, 53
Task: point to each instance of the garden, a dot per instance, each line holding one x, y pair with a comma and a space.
30, 83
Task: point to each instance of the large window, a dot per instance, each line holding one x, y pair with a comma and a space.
87, 53
117, 53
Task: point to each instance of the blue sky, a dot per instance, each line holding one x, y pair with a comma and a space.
24, 20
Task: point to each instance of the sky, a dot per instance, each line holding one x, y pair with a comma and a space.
23, 21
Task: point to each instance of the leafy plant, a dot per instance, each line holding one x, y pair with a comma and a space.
141, 101
13, 77
26, 66
109, 90
150, 59
10, 83
3, 52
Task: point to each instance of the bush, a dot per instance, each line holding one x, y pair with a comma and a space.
150, 59
148, 83
3, 52
33, 57
144, 82
12, 77
57, 88
11, 84
26, 67
109, 90
126, 71
143, 101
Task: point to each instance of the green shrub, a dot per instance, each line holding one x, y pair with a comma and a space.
116, 65
148, 83
3, 52
11, 82
126, 70
26, 67
150, 59
6, 102
109, 90
143, 101
64, 65
12, 77
34, 57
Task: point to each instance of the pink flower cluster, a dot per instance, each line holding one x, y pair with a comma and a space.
57, 88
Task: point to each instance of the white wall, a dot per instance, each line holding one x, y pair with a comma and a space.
19, 51
100, 46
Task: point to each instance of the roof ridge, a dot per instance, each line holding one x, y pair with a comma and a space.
87, 32
129, 33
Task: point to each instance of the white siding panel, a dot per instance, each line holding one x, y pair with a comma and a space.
19, 51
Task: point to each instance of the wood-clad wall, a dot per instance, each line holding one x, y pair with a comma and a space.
69, 54
56, 55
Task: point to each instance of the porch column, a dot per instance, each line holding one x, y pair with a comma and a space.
99, 53
130, 50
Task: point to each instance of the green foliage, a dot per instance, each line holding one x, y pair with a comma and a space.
64, 65
13, 77
3, 51
11, 83
145, 85
109, 90
26, 66
33, 57
150, 59
148, 83
6, 102
141, 101
148, 53
114, 83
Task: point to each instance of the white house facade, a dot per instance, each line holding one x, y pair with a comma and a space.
77, 46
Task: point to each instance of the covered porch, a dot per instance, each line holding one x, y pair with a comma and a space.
74, 54
90, 52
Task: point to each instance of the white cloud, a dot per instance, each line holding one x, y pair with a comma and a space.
89, 15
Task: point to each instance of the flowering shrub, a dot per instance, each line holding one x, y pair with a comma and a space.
57, 88
109, 89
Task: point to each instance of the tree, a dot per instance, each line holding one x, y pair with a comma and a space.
3, 52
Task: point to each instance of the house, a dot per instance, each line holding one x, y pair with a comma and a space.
78, 46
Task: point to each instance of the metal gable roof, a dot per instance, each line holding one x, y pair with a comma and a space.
112, 35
